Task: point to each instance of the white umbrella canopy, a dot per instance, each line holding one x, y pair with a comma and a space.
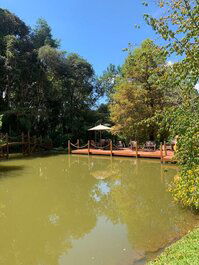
100, 128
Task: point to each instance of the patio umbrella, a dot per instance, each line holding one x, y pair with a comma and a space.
100, 128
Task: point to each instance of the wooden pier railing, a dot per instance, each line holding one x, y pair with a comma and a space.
28, 144
110, 149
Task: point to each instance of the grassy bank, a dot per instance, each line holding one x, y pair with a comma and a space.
183, 252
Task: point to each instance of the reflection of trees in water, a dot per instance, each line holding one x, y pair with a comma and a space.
138, 199
40, 219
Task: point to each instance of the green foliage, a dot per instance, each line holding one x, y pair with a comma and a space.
43, 89
140, 93
42, 35
109, 79
183, 252
184, 122
179, 27
11, 24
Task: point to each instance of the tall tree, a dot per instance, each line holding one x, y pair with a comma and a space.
138, 94
40, 85
179, 27
42, 35
109, 78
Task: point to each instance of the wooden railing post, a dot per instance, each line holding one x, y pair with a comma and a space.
78, 143
131, 146
7, 146
88, 147
136, 149
69, 150
165, 148
161, 153
111, 147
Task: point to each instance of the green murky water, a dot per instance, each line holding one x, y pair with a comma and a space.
80, 210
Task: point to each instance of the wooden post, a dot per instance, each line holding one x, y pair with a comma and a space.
165, 148
161, 153
28, 142
131, 146
136, 149
78, 143
111, 147
88, 147
69, 150
7, 147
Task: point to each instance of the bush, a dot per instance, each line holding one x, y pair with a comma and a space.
184, 122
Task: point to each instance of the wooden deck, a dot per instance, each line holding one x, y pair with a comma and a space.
127, 153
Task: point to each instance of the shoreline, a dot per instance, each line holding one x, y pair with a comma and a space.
182, 251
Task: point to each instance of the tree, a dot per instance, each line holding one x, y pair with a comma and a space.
46, 88
42, 35
11, 25
109, 78
12, 33
139, 94
180, 28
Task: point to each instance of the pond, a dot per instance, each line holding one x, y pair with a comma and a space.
83, 210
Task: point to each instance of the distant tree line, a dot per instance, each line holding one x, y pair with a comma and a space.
43, 89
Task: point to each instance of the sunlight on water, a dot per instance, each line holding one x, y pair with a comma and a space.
81, 210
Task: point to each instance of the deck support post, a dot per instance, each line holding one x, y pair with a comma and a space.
88, 147
69, 151
165, 148
161, 153
7, 146
111, 147
136, 149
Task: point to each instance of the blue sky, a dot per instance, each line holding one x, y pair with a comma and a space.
98, 30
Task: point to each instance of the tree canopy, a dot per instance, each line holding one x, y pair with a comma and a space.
139, 94
43, 89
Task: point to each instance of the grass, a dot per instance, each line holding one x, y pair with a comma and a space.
183, 252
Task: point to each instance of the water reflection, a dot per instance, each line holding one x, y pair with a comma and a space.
86, 210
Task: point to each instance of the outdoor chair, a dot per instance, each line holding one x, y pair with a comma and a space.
169, 146
120, 144
150, 145
102, 142
93, 144
132, 144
